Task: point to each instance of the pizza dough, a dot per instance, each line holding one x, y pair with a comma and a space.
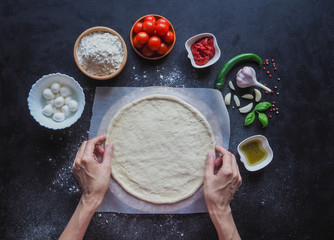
160, 148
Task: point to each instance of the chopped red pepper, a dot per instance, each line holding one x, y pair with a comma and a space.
203, 50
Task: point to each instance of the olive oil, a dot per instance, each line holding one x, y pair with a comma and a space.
254, 152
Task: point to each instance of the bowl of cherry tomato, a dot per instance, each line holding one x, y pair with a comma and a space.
152, 36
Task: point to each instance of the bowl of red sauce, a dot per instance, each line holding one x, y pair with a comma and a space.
203, 50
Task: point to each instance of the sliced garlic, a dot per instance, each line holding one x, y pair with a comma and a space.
258, 95
228, 99
236, 100
230, 84
246, 108
248, 96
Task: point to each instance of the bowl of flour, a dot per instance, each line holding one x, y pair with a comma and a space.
100, 53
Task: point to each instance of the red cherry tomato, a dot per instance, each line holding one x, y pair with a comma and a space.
138, 27
136, 43
163, 49
146, 51
148, 27
169, 37
161, 29
142, 37
150, 18
154, 43
163, 20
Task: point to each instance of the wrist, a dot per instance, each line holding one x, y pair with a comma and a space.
220, 212
223, 220
90, 204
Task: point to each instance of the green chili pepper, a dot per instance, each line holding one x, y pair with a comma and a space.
232, 62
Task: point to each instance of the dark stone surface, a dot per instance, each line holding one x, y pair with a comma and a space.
290, 199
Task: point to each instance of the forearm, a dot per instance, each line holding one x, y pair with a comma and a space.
77, 226
224, 224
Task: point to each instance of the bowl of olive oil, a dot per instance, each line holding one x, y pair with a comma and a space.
255, 152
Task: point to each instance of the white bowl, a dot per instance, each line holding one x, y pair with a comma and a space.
267, 148
36, 101
193, 40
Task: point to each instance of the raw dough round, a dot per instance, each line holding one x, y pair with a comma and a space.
160, 148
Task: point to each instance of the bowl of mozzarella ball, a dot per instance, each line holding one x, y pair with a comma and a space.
56, 101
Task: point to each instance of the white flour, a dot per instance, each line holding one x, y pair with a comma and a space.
100, 53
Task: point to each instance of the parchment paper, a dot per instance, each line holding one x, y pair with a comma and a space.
108, 100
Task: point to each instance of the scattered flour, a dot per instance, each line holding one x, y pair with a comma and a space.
162, 77
100, 53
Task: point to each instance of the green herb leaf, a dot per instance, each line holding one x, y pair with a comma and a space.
262, 106
249, 118
263, 119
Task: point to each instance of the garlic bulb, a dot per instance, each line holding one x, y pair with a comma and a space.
246, 77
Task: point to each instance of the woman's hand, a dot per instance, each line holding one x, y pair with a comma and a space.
93, 177
221, 181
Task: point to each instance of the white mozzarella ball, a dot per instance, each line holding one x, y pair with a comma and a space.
59, 101
58, 117
55, 87
67, 100
66, 110
56, 110
73, 105
50, 102
65, 91
48, 94
47, 110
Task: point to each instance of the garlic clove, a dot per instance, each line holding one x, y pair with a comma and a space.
248, 96
230, 84
228, 99
246, 108
236, 100
258, 95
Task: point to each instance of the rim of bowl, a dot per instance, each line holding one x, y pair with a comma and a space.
263, 163
170, 28
100, 29
194, 39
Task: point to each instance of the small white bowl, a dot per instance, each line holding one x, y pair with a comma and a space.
36, 101
267, 148
193, 40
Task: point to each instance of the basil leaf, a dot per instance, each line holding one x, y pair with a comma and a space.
263, 119
262, 106
249, 118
